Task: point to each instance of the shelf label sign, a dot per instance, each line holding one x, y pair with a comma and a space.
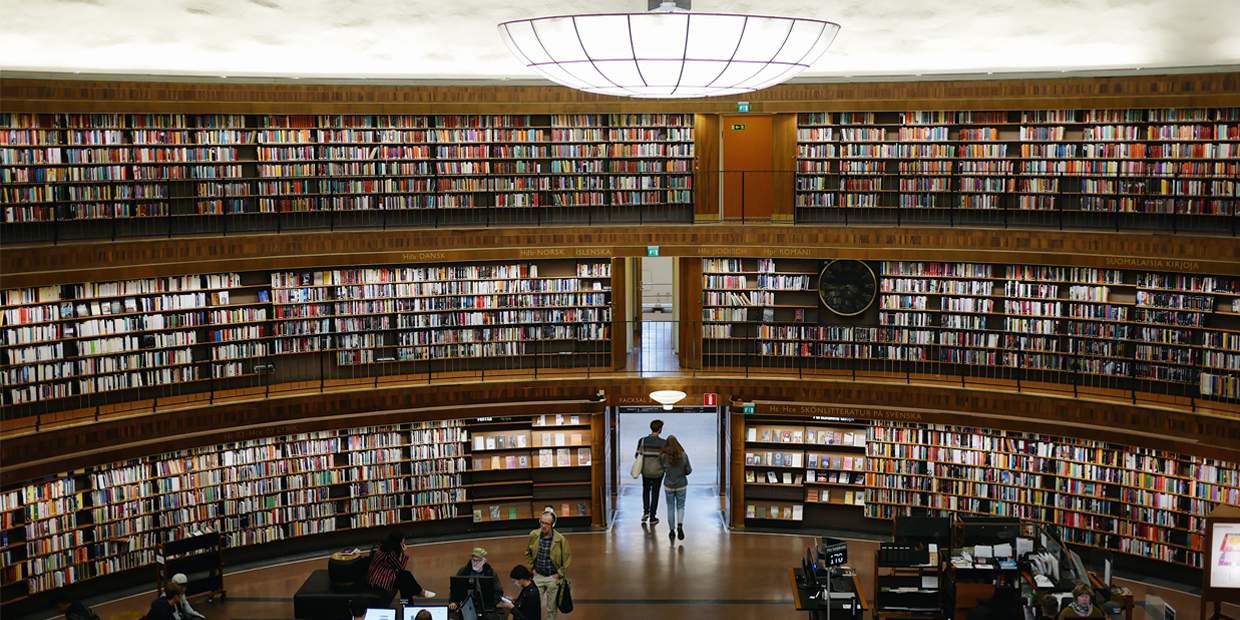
652, 250
710, 399
741, 106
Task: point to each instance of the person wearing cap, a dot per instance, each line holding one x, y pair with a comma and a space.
478, 567
183, 608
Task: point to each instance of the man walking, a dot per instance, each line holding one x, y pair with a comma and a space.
548, 553
648, 449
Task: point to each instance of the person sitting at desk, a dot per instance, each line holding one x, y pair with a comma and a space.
527, 605
1082, 605
477, 567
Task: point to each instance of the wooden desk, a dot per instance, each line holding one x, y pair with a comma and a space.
814, 608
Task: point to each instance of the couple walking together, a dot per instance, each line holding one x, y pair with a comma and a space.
663, 462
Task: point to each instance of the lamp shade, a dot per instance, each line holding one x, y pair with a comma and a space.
667, 398
668, 53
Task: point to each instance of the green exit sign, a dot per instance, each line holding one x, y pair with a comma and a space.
738, 126
652, 250
747, 408
742, 106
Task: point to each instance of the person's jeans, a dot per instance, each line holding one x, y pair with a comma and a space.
650, 495
675, 507
548, 589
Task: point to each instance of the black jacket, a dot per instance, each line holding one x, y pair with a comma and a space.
161, 609
487, 571
527, 605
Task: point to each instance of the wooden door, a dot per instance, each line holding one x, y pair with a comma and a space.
748, 184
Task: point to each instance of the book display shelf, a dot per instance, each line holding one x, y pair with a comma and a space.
113, 518
107, 341
522, 466
802, 475
1139, 330
1077, 165
177, 173
1147, 503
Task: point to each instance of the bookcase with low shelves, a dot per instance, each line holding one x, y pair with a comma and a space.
177, 173
523, 465
1120, 498
812, 475
109, 520
1124, 329
1046, 166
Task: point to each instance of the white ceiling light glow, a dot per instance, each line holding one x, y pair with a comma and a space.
668, 52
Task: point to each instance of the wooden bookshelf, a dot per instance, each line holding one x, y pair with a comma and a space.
109, 519
1142, 330
1154, 162
1144, 502
812, 470
190, 170
123, 340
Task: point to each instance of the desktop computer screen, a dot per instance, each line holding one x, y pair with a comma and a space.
438, 612
380, 614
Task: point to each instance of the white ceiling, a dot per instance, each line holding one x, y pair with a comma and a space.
457, 40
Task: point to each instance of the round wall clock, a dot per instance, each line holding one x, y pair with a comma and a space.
847, 287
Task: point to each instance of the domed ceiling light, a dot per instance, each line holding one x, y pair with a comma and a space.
668, 52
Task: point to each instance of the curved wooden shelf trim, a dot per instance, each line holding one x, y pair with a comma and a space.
1091, 415
239, 96
102, 261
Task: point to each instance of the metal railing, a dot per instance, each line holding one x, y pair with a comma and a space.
656, 349
745, 197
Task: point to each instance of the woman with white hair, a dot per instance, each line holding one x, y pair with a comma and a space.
183, 607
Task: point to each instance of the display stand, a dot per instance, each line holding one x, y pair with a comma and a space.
1221, 577
199, 558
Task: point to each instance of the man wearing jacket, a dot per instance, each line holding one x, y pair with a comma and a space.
550, 556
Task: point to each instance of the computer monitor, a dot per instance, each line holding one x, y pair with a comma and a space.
983, 533
936, 530
484, 585
1168, 612
438, 612
810, 568
380, 614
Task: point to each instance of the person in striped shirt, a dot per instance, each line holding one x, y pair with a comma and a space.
387, 569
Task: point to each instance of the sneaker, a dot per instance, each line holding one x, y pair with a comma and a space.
427, 594
680, 532
645, 517
671, 536
654, 520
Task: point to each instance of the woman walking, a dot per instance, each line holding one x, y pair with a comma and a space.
676, 468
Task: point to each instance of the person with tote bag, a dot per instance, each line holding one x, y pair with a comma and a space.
648, 449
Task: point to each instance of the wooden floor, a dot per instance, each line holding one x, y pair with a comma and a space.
629, 571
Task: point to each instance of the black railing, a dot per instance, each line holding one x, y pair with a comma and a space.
745, 197
655, 350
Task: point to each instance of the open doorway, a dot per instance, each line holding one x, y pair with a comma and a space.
657, 330
697, 428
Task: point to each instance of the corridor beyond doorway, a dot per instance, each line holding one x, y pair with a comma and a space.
697, 432
655, 350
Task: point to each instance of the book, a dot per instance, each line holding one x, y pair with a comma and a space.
559, 439
787, 437
574, 419
576, 441
751, 434
523, 461
512, 513
583, 456
811, 476
559, 419
491, 442
522, 441
563, 458
787, 479
770, 478
749, 475
750, 511
495, 463
564, 512
581, 509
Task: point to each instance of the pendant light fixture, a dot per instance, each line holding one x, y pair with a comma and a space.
668, 52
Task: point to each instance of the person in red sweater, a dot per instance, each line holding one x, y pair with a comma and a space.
387, 569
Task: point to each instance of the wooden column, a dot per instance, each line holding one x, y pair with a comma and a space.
598, 470
705, 167
690, 312
619, 330
736, 473
783, 163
